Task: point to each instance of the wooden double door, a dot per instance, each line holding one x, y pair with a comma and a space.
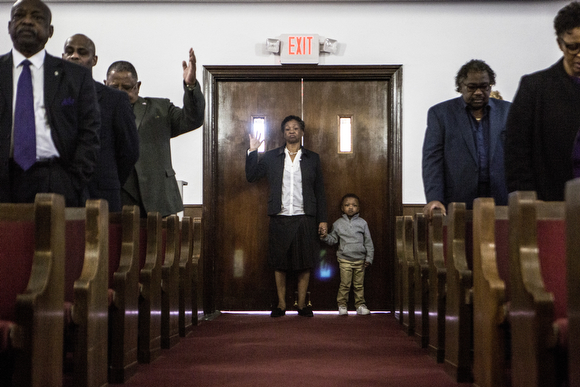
235, 222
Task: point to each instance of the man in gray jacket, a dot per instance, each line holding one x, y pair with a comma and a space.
152, 184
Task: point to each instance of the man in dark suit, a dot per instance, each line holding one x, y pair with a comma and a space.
545, 117
62, 126
463, 146
119, 138
152, 184
296, 206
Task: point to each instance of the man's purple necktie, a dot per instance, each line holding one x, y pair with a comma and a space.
24, 126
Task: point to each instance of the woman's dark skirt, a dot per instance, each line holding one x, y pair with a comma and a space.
294, 243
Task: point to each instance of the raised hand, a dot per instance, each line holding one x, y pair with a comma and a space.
189, 69
255, 142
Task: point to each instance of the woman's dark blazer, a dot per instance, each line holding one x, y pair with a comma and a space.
271, 165
542, 124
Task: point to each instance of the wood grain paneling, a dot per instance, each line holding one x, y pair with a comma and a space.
235, 223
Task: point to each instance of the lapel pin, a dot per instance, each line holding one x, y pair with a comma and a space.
56, 73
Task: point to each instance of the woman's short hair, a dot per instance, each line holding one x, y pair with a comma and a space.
292, 118
567, 18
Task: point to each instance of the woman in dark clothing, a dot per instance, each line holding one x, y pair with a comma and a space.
296, 206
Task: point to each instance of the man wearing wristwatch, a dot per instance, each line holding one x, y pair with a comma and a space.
152, 184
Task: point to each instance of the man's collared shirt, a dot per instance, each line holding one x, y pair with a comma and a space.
480, 130
45, 147
292, 200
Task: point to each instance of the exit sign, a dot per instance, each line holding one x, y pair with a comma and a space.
299, 48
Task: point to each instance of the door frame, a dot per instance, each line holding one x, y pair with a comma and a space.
212, 75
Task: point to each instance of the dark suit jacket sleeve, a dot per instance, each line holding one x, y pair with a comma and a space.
189, 117
85, 155
126, 137
433, 163
576, 156
255, 170
519, 168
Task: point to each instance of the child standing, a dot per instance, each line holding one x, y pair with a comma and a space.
355, 253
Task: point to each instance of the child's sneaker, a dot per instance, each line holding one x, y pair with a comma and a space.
342, 311
362, 310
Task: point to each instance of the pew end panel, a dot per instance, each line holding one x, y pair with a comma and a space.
489, 294
90, 307
437, 285
197, 284
149, 338
170, 282
400, 241
421, 272
458, 309
34, 356
124, 286
186, 309
408, 278
573, 284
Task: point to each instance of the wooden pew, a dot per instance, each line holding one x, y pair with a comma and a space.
86, 288
437, 285
170, 282
408, 278
186, 300
123, 293
150, 247
537, 289
458, 308
197, 281
421, 272
400, 247
490, 293
400, 241
32, 254
573, 282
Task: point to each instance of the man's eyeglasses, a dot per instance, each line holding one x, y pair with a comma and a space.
572, 48
473, 88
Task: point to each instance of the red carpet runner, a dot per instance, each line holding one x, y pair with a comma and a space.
326, 350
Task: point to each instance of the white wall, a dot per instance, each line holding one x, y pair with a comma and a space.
430, 40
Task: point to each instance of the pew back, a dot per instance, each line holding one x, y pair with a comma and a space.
35, 304
532, 307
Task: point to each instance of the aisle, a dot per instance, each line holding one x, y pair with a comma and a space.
326, 350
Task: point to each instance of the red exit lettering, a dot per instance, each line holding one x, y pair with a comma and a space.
300, 45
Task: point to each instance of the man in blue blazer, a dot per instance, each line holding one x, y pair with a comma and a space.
119, 138
463, 155
65, 127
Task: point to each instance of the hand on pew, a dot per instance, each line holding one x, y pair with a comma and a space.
431, 206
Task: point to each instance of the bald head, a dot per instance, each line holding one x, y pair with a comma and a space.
81, 50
